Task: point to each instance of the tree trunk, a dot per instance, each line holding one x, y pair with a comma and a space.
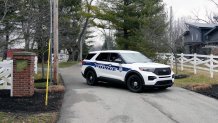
70, 53
32, 45
26, 31
126, 47
81, 37
26, 36
6, 45
73, 54
125, 30
43, 68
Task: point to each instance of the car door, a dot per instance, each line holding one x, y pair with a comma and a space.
116, 62
102, 64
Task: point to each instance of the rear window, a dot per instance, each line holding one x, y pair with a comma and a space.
89, 56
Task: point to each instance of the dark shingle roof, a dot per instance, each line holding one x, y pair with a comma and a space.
216, 17
186, 33
202, 25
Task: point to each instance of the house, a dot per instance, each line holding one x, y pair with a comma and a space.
200, 38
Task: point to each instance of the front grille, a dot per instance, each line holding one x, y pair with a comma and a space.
162, 71
165, 77
165, 82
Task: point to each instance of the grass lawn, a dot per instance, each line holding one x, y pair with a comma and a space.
27, 118
67, 64
41, 83
202, 77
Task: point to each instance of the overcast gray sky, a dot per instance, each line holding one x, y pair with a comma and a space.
183, 8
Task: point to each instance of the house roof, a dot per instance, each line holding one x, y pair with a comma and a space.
186, 33
202, 25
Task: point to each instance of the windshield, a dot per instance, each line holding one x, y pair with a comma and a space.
135, 58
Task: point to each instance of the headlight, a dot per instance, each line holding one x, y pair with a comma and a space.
146, 69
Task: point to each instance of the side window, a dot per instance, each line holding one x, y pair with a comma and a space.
89, 56
102, 57
114, 57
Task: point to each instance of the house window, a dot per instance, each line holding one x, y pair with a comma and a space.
192, 37
196, 36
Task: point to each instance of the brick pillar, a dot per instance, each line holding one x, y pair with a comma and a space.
23, 74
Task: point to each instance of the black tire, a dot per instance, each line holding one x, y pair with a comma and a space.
91, 77
135, 84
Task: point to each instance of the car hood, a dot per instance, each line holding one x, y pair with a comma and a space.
151, 65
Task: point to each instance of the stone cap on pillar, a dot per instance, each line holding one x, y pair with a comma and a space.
24, 53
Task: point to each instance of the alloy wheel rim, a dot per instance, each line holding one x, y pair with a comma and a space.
134, 83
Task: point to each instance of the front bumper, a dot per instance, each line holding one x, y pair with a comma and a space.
159, 81
166, 83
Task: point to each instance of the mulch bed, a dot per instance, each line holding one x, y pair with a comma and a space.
34, 104
211, 92
181, 76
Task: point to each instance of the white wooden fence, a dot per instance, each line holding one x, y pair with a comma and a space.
36, 65
61, 57
195, 61
6, 75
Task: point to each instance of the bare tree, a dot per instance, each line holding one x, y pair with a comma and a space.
5, 9
84, 27
216, 3
208, 17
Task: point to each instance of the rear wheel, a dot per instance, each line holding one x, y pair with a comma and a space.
135, 83
91, 78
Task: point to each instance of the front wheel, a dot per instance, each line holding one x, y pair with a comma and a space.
91, 78
135, 84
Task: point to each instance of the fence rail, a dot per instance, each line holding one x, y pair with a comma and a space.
6, 75
195, 61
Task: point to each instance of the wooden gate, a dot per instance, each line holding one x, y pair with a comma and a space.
6, 75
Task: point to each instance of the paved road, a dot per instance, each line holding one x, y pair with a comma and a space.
111, 103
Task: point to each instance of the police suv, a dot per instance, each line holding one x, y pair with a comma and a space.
130, 67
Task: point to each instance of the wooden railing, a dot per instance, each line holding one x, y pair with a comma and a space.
195, 61
6, 75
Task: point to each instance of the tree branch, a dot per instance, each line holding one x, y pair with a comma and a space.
214, 2
5, 11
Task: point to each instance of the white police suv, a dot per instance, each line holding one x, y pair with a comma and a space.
130, 67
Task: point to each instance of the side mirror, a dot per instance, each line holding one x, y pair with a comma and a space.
118, 61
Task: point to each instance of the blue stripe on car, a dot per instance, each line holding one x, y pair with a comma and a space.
105, 66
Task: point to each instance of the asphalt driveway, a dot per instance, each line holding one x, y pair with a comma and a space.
113, 103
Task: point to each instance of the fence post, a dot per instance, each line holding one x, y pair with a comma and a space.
195, 62
182, 55
211, 65
23, 74
171, 61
